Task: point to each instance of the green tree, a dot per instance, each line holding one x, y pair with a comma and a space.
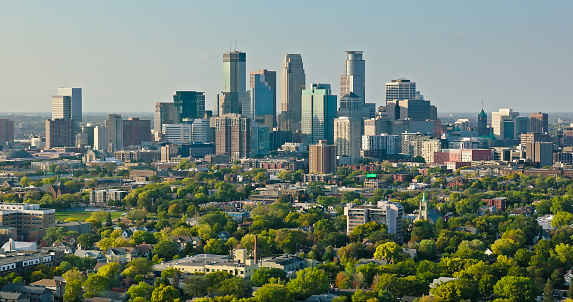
309, 281
109, 270
562, 219
236, 287
165, 293
273, 292
262, 275
427, 250
74, 280
506, 247
142, 290
516, 289
96, 285
455, 291
390, 251
138, 266
166, 249
88, 240
215, 246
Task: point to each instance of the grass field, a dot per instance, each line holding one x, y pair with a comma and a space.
81, 216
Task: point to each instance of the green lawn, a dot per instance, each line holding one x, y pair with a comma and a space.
81, 216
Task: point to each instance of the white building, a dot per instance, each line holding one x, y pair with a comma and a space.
177, 133
61, 107
354, 76
390, 143
101, 138
201, 131
75, 95
501, 122
384, 212
347, 132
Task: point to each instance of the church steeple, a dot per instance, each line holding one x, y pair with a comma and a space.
424, 208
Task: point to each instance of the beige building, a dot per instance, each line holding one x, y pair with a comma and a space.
30, 220
384, 212
322, 158
239, 265
348, 139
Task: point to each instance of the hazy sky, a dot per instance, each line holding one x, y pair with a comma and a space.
127, 55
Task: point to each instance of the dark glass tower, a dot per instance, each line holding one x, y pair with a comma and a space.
189, 104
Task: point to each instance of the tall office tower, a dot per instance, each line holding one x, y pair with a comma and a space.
61, 107
293, 82
482, 124
188, 105
533, 137
136, 131
418, 110
318, 114
384, 212
232, 135
228, 103
538, 122
76, 96
201, 131
6, 131
401, 89
86, 137
353, 80
503, 124
234, 79
101, 138
322, 158
60, 133
261, 139
540, 152
165, 113
380, 146
260, 103
521, 126
114, 123
351, 105
177, 133
373, 126
347, 138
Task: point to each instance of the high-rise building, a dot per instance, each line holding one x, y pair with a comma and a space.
401, 89
76, 101
60, 133
322, 158
232, 135
165, 113
503, 123
538, 122
136, 131
6, 131
354, 78
61, 107
418, 110
229, 103
373, 126
521, 126
384, 212
540, 152
177, 133
482, 124
188, 105
347, 136
318, 113
293, 82
201, 131
101, 138
86, 137
114, 123
234, 79
380, 146
351, 105
261, 139
260, 102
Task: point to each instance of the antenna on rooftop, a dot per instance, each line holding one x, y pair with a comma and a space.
235, 45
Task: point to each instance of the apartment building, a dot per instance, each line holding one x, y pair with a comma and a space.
384, 212
30, 220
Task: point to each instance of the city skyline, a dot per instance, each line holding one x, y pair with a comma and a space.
136, 58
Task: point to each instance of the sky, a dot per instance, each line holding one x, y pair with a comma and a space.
129, 54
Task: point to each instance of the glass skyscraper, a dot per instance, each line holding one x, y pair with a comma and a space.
318, 113
234, 79
293, 82
189, 105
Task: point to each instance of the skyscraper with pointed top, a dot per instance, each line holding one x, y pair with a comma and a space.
293, 82
482, 124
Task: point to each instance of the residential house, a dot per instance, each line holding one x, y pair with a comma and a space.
91, 254
57, 286
36, 294
14, 297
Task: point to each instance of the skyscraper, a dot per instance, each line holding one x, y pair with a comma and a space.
165, 113
322, 158
318, 113
293, 82
188, 105
347, 138
539, 122
60, 133
482, 124
115, 126
418, 110
101, 138
354, 76
136, 131
260, 104
503, 123
232, 135
61, 107
76, 101
234, 79
351, 105
6, 131
401, 89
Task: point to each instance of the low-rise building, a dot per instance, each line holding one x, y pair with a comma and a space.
30, 220
384, 212
101, 197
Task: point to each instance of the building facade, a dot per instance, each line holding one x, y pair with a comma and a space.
262, 97
234, 81
354, 78
384, 212
6, 131
318, 114
61, 107
114, 123
136, 131
539, 122
177, 133
188, 105
322, 158
60, 133
30, 220
347, 136
293, 82
75, 95
232, 135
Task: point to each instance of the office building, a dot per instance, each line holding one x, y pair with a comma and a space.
229, 103
201, 131
30, 220
354, 78
114, 123
232, 135
380, 146
347, 136
318, 114
384, 213
503, 123
533, 137
417, 110
540, 152
322, 158
6, 131
86, 136
136, 131
165, 113
373, 126
351, 105
177, 133
234, 81
188, 105
462, 155
60, 133
260, 101
293, 82
539, 122
521, 124
402, 89
261, 139
61, 107
482, 128
75, 95
101, 138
